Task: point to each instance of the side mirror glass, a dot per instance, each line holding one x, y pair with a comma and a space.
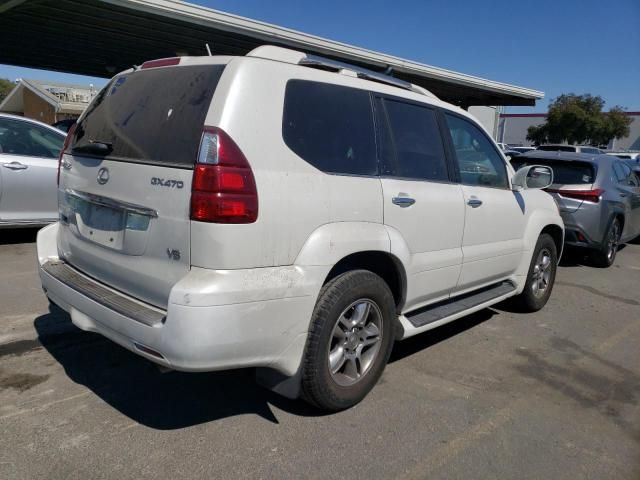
534, 176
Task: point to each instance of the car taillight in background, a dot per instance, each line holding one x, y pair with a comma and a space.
65, 145
223, 188
586, 195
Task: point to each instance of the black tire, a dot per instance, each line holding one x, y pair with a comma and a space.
604, 256
532, 299
320, 386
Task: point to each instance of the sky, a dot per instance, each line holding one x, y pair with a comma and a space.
557, 46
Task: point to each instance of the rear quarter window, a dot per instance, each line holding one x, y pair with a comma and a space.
330, 126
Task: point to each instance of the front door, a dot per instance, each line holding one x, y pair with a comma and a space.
492, 243
28, 168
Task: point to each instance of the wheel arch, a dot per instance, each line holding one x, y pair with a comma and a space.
384, 264
557, 234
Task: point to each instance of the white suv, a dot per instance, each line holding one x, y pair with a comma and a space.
287, 212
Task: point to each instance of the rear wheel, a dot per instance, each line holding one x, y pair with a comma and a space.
606, 255
541, 276
350, 340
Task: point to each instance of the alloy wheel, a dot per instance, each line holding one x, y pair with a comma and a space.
613, 241
541, 273
355, 342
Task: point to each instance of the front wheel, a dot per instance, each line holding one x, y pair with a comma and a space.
541, 276
350, 340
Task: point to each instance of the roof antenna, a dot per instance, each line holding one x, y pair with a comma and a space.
208, 49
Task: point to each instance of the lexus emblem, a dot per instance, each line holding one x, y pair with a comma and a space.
103, 176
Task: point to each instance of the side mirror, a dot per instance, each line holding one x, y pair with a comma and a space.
534, 176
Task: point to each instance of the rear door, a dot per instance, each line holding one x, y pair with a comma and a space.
28, 167
422, 202
495, 216
126, 179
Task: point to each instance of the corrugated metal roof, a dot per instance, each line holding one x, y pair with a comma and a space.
101, 37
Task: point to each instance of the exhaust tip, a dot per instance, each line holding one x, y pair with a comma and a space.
148, 351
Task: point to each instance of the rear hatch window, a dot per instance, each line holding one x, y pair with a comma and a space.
567, 175
564, 172
150, 116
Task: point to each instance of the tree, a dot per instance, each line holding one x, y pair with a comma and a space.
580, 119
5, 87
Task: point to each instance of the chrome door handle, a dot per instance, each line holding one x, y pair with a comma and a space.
15, 166
474, 202
403, 201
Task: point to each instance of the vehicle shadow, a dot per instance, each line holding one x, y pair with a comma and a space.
428, 339
579, 257
166, 401
18, 235
138, 389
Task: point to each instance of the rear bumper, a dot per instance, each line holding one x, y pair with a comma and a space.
214, 320
586, 226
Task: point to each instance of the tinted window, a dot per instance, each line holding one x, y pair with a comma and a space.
25, 138
557, 148
330, 127
564, 172
154, 115
624, 174
417, 150
478, 160
590, 150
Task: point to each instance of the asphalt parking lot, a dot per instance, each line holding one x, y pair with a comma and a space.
495, 395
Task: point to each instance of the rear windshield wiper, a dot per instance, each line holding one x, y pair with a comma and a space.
94, 147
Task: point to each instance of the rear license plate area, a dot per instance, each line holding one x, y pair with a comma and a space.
100, 224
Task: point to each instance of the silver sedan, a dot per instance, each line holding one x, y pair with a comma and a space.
598, 197
29, 153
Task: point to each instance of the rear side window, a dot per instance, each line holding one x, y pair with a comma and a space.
564, 172
330, 126
152, 116
417, 151
479, 162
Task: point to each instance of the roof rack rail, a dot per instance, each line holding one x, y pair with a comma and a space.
333, 65
297, 57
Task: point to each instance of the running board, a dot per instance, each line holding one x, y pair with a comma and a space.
453, 306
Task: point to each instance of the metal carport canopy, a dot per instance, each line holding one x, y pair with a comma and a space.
102, 37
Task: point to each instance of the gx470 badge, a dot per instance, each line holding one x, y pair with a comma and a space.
161, 182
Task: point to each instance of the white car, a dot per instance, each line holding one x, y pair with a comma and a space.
29, 152
626, 155
291, 213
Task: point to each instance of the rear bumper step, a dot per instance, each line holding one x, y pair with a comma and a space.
456, 305
107, 297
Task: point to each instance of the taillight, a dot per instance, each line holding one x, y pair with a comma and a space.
586, 195
65, 145
161, 62
223, 188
